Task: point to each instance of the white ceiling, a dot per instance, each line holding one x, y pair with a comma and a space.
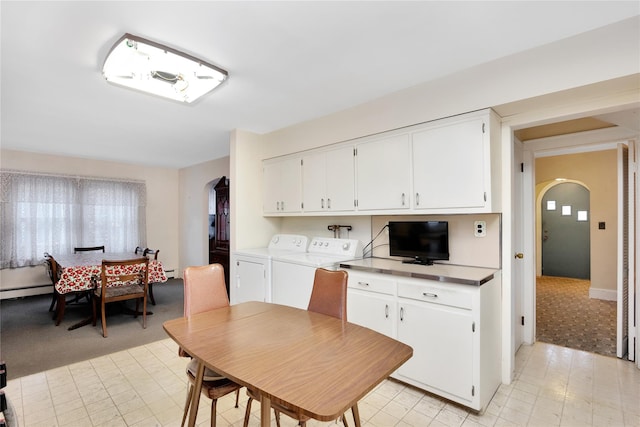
287, 61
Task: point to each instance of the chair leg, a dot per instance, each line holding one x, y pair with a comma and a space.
60, 309
186, 405
237, 396
53, 300
344, 420
214, 402
356, 415
93, 312
104, 319
277, 414
144, 312
247, 413
153, 301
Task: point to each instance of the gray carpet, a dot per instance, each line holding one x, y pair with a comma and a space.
30, 342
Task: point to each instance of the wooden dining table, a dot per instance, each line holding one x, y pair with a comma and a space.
316, 364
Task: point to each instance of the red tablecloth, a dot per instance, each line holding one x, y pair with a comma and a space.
78, 269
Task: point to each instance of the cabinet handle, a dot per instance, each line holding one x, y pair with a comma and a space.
402, 314
386, 311
328, 203
282, 205
429, 295
402, 199
363, 284
417, 199
321, 203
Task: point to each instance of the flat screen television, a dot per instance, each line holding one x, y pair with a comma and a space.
422, 241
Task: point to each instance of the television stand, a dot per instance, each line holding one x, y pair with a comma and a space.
418, 261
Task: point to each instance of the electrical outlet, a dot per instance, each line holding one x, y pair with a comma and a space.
480, 228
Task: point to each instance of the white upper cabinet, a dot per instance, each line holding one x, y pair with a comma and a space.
383, 176
328, 180
282, 185
450, 166
445, 166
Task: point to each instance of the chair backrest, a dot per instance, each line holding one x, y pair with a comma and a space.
139, 250
204, 289
88, 249
153, 252
52, 268
329, 294
122, 272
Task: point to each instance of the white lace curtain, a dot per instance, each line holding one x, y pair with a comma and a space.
54, 213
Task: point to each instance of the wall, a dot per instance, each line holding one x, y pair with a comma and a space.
533, 76
162, 210
598, 171
193, 202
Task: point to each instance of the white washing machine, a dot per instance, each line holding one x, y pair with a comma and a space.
251, 278
293, 274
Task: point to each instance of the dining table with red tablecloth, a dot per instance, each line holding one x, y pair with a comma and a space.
77, 270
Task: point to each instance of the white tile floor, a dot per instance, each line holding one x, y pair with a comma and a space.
146, 386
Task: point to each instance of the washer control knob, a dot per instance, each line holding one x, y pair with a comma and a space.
346, 245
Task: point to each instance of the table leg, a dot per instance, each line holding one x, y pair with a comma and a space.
195, 398
265, 411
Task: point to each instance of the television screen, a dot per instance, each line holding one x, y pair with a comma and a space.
422, 241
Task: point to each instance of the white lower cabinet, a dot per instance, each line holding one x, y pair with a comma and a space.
454, 331
371, 302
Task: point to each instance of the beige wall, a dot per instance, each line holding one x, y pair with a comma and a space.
162, 206
193, 202
598, 172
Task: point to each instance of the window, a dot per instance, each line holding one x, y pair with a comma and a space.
53, 213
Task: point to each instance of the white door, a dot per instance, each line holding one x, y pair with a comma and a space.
626, 326
517, 265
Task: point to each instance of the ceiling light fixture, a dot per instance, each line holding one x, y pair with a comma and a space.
150, 67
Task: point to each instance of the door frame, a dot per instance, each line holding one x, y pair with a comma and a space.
530, 217
545, 114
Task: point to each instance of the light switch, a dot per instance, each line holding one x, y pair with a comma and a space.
480, 228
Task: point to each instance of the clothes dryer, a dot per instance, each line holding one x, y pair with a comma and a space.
293, 273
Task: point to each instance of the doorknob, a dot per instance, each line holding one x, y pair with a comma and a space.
519, 255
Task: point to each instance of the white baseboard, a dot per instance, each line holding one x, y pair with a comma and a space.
604, 294
25, 292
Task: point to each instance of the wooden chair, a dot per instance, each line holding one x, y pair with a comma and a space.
59, 301
328, 296
52, 270
120, 281
88, 249
204, 290
148, 252
154, 252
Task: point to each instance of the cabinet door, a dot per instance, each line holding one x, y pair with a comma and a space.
372, 310
282, 184
250, 282
340, 179
382, 177
328, 180
450, 157
314, 183
442, 341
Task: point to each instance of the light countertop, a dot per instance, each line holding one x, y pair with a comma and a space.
441, 272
